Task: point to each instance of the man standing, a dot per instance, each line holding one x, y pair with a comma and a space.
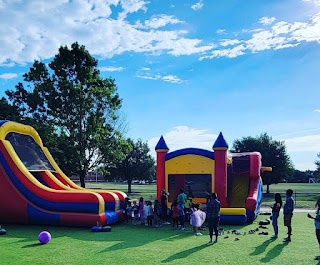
182, 198
287, 213
164, 207
213, 216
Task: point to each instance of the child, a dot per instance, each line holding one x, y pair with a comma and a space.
175, 214
181, 215
188, 211
157, 213
141, 211
129, 213
317, 224
275, 213
149, 213
135, 210
195, 219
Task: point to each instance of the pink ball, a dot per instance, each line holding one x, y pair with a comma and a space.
44, 237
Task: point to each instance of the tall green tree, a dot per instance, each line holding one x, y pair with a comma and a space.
274, 154
76, 107
9, 112
317, 163
137, 164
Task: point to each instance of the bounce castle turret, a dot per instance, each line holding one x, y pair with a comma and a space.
236, 179
34, 190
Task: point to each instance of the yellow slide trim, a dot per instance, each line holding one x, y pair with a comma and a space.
29, 176
233, 211
19, 128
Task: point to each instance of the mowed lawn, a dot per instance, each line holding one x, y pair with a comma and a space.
135, 244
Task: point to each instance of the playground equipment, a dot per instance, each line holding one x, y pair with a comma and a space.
34, 190
236, 179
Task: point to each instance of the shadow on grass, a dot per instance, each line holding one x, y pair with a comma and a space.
32, 245
146, 236
260, 249
273, 253
185, 253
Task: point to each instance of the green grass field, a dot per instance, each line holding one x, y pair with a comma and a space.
130, 244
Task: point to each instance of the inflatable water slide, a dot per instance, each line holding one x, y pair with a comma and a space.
34, 190
235, 178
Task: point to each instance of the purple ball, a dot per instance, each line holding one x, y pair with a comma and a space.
44, 237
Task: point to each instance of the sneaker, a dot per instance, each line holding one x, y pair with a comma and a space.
286, 240
274, 237
236, 239
198, 234
210, 242
182, 228
215, 241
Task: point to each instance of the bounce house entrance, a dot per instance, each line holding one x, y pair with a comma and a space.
239, 192
194, 185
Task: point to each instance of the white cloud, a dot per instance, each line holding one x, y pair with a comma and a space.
229, 42
267, 20
145, 69
220, 31
305, 166
166, 78
185, 137
317, 110
132, 6
277, 36
197, 6
158, 21
316, 2
230, 53
8, 76
111, 69
309, 143
27, 32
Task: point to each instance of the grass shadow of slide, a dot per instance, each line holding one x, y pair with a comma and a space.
273, 253
184, 253
32, 245
262, 248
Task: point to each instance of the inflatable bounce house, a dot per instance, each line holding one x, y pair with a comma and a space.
34, 190
235, 179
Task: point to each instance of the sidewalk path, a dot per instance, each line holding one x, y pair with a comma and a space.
296, 210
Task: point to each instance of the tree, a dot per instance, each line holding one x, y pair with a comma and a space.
300, 176
274, 154
317, 163
9, 112
76, 107
137, 164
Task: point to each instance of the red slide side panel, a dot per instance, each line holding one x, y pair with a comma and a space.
49, 181
87, 220
253, 195
66, 196
255, 165
13, 206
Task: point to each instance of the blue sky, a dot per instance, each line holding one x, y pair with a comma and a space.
187, 69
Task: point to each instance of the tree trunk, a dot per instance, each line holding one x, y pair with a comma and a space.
82, 183
268, 188
129, 186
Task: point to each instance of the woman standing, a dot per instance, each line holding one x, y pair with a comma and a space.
317, 224
275, 214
